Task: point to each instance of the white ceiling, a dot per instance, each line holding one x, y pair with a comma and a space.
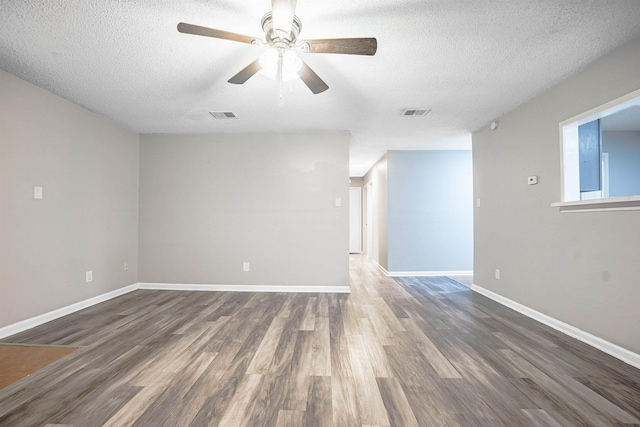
469, 61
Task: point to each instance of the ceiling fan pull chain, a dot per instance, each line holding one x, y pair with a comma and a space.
279, 74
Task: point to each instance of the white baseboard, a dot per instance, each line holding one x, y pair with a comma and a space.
55, 314
379, 267
420, 273
428, 273
245, 288
614, 350
52, 315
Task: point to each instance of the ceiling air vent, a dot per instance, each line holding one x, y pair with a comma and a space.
412, 112
223, 115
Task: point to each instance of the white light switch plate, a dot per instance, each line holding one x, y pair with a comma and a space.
338, 202
37, 192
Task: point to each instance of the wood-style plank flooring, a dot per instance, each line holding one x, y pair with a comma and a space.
411, 352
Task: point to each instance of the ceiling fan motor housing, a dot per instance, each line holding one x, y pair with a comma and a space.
274, 38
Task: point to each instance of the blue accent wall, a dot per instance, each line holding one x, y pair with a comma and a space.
430, 211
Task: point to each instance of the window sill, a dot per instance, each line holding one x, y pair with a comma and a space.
629, 203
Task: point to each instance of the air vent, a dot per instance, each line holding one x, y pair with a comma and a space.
413, 112
223, 115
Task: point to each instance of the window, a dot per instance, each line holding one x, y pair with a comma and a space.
601, 156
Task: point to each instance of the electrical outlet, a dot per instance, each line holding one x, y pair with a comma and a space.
498, 273
89, 276
245, 266
126, 266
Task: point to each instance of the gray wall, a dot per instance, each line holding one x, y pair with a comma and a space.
580, 268
377, 177
208, 203
88, 218
624, 162
430, 211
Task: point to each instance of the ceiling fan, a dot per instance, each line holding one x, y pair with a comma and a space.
281, 29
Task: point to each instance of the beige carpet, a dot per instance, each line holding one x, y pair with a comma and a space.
19, 361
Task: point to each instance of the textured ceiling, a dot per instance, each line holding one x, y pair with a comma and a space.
467, 60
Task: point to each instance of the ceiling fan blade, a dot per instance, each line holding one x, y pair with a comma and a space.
246, 73
282, 12
353, 46
212, 32
311, 79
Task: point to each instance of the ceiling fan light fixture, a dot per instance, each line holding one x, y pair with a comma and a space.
291, 64
274, 34
281, 29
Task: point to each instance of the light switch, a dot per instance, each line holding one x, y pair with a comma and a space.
477, 202
338, 202
37, 192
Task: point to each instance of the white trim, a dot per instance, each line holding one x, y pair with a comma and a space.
32, 322
420, 273
381, 268
428, 273
614, 350
605, 176
628, 208
626, 203
55, 314
245, 288
611, 200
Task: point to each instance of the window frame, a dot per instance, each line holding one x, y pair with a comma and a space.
569, 162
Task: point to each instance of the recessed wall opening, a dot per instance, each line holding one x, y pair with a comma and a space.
601, 152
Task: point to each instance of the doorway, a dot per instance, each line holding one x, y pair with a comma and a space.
368, 223
355, 220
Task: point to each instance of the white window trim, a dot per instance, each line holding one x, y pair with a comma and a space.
570, 185
629, 203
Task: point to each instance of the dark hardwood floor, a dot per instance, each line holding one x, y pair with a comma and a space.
411, 352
